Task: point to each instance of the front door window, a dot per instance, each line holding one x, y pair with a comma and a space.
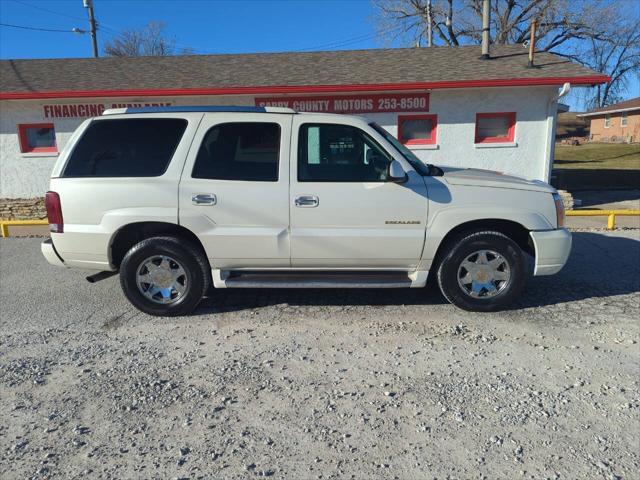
339, 153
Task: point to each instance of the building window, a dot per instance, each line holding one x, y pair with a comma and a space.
417, 129
623, 119
37, 138
495, 127
607, 121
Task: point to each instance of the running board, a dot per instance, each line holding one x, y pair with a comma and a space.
318, 279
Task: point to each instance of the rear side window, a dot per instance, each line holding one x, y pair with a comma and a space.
126, 148
239, 151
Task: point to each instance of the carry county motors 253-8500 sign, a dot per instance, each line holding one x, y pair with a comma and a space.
375, 103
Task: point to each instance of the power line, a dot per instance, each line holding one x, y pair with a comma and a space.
350, 41
47, 10
24, 27
113, 32
101, 25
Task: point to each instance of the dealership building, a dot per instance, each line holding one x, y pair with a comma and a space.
447, 104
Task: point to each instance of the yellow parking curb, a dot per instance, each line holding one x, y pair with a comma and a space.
611, 214
5, 224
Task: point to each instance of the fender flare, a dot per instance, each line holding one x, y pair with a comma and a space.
444, 221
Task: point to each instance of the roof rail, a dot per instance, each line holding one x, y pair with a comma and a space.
198, 108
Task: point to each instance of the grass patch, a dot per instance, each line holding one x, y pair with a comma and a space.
609, 156
597, 166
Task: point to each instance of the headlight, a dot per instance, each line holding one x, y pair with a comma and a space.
559, 210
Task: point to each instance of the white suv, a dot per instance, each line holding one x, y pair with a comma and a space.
182, 199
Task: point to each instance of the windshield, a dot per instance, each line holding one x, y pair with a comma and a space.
409, 156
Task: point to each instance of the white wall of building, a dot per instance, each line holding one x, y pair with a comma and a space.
26, 175
527, 157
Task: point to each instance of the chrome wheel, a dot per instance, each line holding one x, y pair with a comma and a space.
161, 279
484, 274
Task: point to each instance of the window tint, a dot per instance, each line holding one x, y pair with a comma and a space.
339, 153
126, 148
239, 151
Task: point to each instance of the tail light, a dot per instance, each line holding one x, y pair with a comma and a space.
54, 212
559, 210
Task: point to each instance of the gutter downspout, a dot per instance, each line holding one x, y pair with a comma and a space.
552, 114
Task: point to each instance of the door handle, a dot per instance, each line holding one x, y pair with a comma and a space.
306, 201
203, 199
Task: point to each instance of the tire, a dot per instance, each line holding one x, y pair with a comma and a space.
165, 294
497, 282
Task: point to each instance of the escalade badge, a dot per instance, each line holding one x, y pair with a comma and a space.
402, 222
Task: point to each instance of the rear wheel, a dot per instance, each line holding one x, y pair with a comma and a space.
165, 276
482, 271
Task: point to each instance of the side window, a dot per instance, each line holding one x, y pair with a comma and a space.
339, 153
140, 147
239, 151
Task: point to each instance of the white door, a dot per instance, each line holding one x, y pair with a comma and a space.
345, 213
234, 189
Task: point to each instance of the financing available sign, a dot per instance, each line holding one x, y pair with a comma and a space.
84, 110
370, 103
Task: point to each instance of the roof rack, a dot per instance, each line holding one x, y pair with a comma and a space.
198, 108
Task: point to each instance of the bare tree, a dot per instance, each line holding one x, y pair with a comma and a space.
618, 57
147, 41
600, 34
459, 22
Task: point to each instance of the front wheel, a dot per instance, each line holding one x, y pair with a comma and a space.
482, 271
164, 276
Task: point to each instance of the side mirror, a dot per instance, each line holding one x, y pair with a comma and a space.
396, 173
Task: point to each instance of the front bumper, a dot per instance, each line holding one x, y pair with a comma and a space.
552, 250
50, 253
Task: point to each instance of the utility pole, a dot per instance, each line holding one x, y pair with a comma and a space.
429, 25
88, 4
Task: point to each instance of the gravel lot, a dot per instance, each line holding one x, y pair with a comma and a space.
323, 384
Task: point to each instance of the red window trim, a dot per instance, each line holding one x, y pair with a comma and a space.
421, 141
24, 143
512, 127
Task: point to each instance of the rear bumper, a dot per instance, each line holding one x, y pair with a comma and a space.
552, 250
50, 253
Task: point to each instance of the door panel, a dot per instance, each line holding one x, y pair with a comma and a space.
231, 194
351, 224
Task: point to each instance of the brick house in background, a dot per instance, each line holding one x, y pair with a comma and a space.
616, 123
